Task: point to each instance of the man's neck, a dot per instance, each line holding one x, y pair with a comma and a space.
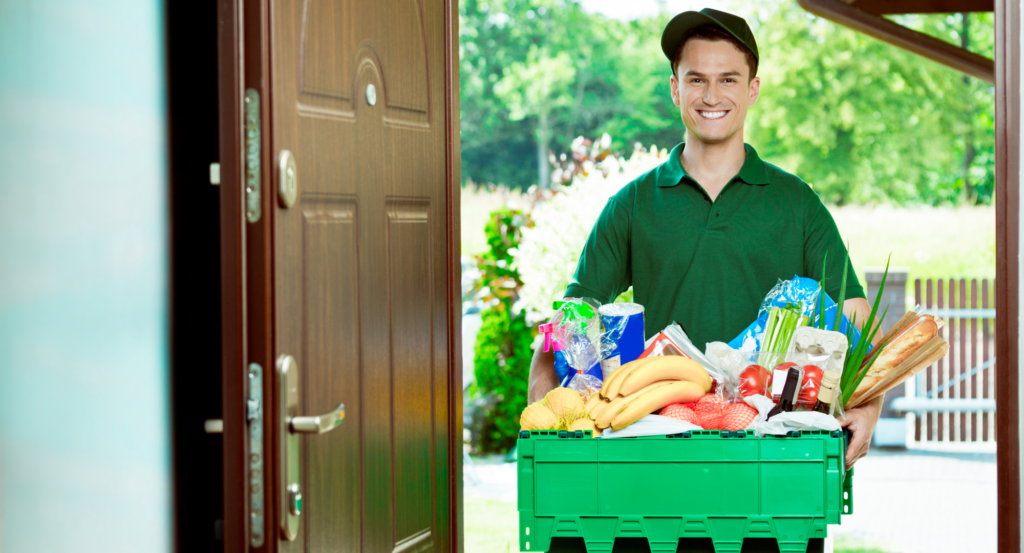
713, 165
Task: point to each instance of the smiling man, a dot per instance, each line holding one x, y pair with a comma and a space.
703, 237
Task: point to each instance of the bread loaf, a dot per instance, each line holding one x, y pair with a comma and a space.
908, 342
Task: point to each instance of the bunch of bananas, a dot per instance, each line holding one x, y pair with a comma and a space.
643, 387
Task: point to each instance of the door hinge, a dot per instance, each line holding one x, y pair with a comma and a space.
253, 208
254, 414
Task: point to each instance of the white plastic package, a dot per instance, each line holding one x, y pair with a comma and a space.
651, 425
784, 423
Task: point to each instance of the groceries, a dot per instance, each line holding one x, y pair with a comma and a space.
801, 365
538, 417
914, 345
802, 292
827, 393
588, 341
644, 386
778, 332
561, 409
624, 335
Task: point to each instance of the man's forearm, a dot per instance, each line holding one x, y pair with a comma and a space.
542, 375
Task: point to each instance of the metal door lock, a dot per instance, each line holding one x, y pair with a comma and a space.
290, 427
294, 499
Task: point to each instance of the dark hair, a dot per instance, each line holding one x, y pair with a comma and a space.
714, 34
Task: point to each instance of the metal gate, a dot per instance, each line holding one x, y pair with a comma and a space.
950, 406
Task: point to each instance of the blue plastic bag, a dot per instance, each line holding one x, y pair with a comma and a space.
799, 291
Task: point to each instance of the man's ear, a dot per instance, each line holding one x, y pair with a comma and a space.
755, 90
674, 85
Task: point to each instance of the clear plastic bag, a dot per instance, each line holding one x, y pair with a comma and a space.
577, 335
673, 340
728, 363
580, 331
585, 384
798, 291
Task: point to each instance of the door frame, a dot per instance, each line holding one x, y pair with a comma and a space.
247, 288
1008, 165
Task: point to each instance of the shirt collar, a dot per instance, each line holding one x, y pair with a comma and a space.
753, 171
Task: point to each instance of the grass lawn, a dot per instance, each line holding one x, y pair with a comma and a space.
493, 526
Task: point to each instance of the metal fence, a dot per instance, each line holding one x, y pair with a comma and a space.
950, 406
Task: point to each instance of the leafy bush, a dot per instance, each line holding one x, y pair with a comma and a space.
502, 353
502, 368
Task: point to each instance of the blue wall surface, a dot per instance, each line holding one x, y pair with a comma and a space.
84, 416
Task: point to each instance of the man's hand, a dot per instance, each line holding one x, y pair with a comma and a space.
542, 375
861, 422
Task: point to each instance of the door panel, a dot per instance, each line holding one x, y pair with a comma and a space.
410, 260
361, 265
388, 36
331, 334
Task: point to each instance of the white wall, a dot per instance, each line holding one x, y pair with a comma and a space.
84, 422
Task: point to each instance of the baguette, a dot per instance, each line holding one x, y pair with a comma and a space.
936, 349
902, 347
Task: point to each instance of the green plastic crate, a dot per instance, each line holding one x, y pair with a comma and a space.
721, 485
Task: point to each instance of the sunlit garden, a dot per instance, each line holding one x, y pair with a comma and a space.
564, 102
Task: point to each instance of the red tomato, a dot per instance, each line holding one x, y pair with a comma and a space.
784, 366
810, 385
754, 379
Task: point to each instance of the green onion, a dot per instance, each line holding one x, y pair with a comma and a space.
854, 368
778, 333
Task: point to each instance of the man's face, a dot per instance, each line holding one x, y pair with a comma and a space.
713, 89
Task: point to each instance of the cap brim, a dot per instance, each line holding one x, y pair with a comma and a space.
677, 29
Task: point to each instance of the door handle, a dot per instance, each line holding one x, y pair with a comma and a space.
289, 451
320, 424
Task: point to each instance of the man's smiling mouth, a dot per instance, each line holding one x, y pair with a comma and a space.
712, 114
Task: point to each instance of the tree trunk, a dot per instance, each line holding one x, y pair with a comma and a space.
543, 137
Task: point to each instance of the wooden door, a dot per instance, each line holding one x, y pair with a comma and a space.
357, 280
361, 265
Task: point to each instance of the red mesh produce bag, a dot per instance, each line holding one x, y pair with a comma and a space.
708, 410
681, 412
737, 416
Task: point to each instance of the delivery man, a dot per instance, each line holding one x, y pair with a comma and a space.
703, 237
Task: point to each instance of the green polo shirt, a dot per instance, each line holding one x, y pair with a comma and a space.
708, 265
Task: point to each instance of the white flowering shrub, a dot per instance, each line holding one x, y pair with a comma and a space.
549, 251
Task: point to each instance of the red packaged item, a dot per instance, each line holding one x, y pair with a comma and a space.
755, 379
737, 416
663, 345
709, 409
681, 412
810, 385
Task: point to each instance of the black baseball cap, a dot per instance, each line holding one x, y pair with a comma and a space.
682, 24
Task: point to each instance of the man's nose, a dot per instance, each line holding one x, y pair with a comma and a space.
711, 94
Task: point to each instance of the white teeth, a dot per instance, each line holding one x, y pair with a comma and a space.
712, 114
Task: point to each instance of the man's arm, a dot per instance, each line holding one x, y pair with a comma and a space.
861, 421
542, 375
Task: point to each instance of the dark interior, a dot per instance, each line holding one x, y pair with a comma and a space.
195, 354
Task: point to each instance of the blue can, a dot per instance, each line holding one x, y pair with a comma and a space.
623, 339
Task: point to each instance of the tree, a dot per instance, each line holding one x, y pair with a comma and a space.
534, 89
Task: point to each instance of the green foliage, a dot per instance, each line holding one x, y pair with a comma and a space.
500, 279
502, 352
866, 122
862, 121
502, 368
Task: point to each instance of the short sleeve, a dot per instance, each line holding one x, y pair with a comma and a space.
604, 271
821, 238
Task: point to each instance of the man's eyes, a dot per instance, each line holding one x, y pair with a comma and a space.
729, 80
